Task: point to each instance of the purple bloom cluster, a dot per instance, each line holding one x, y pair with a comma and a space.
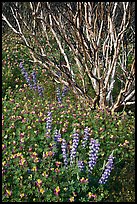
58, 95
35, 87
107, 171
24, 72
74, 147
57, 136
65, 90
34, 80
93, 151
81, 165
64, 148
48, 123
40, 91
85, 138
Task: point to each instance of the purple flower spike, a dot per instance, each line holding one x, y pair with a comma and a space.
85, 138
93, 151
24, 72
58, 95
65, 90
74, 147
64, 147
81, 165
34, 80
57, 136
48, 123
40, 91
107, 171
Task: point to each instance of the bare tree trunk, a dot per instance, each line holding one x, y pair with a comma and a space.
98, 51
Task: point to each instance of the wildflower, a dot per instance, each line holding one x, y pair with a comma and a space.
65, 189
64, 147
56, 191
57, 163
74, 147
22, 161
91, 195
48, 123
3, 146
81, 165
36, 160
57, 170
8, 192
22, 134
71, 199
34, 155
30, 149
57, 136
58, 95
86, 136
107, 171
50, 153
34, 168
74, 194
22, 195
65, 90
24, 72
45, 174
126, 143
40, 91
39, 182
42, 190
93, 150
34, 80
83, 180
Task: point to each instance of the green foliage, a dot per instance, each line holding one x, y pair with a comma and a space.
24, 143
29, 166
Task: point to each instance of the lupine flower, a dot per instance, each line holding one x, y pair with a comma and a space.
74, 147
93, 150
107, 171
40, 91
65, 90
81, 165
24, 72
85, 138
64, 147
34, 80
48, 123
57, 136
58, 95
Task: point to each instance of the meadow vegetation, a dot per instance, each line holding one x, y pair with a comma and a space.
47, 144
